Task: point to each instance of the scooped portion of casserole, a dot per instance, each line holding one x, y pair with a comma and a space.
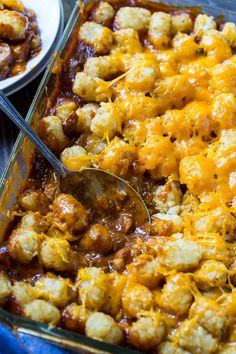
148, 93
20, 37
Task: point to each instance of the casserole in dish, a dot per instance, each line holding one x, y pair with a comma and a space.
145, 91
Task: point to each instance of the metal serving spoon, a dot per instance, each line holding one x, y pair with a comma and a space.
93, 187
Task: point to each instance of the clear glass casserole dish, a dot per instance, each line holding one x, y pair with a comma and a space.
18, 170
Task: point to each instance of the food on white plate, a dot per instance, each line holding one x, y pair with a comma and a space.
20, 38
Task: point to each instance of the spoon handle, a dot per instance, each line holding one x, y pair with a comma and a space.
7, 107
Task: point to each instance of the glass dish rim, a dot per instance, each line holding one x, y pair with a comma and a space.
18, 324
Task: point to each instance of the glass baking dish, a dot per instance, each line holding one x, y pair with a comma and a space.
19, 166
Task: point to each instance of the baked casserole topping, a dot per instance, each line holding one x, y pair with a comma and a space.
148, 93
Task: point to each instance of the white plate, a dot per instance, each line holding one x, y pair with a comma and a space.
50, 18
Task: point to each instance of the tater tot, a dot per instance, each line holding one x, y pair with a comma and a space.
94, 145
85, 116
139, 106
69, 213
5, 286
229, 33
102, 327
34, 200
84, 86
180, 254
143, 77
103, 13
24, 245
176, 294
23, 293
56, 254
202, 24
162, 226
97, 239
157, 156
181, 22
223, 152
57, 290
215, 46
173, 92
184, 46
75, 158
50, 130
197, 172
223, 77
34, 221
97, 36
147, 332
13, 25
132, 17
74, 317
170, 348
195, 338
65, 109
210, 316
211, 274
103, 67
223, 111
167, 196
135, 299
42, 311
145, 270
107, 120
159, 29
219, 220
117, 157
214, 247
173, 220
228, 304
93, 288
90, 89
117, 283
127, 40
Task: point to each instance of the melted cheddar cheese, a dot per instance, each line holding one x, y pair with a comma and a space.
154, 103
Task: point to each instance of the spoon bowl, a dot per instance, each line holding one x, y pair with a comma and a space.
104, 194
100, 191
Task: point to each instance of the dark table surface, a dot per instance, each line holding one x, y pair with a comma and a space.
8, 133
